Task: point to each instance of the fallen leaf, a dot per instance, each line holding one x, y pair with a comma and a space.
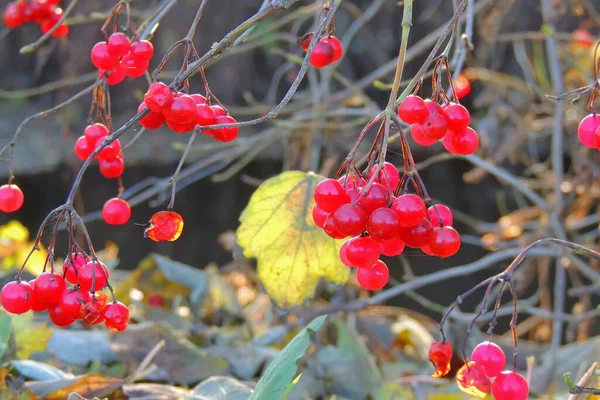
221, 388
153, 391
39, 371
84, 385
292, 252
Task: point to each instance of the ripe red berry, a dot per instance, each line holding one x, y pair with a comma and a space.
205, 116
141, 51
443, 241
416, 236
330, 229
112, 168
490, 357
586, 129
134, 68
36, 303
439, 210
114, 76
58, 316
164, 226
362, 251
322, 54
462, 86
95, 134
392, 248
60, 32
158, 97
182, 110
435, 126
116, 316
350, 219
225, 134
374, 277
49, 287
457, 116
101, 58
465, 141
344, 257
72, 265
154, 119
111, 151
510, 385
11, 198
335, 43
377, 196
118, 44
433, 107
329, 195
219, 111
199, 99
388, 174
13, 15
420, 137
413, 110
383, 224
447, 142
116, 211
92, 312
440, 355
319, 216
181, 128
96, 272
15, 297
410, 208
471, 379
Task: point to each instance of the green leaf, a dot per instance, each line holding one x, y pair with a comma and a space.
292, 386
349, 343
282, 370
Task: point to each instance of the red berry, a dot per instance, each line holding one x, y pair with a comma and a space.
439, 210
440, 355
510, 385
447, 142
349, 219
383, 224
141, 51
471, 379
330, 229
420, 137
36, 303
362, 251
94, 271
118, 44
322, 54
95, 134
92, 311
392, 248
11, 198
116, 75
462, 86
182, 110
343, 256
330, 195
58, 316
338, 49
435, 126
416, 236
410, 208
586, 129
60, 32
154, 120
377, 196
413, 110
116, 316
465, 142
319, 216
49, 287
433, 107
111, 151
13, 15
443, 241
199, 99
457, 116
72, 265
219, 111
181, 128
225, 134
205, 116
158, 97
490, 357
15, 297
164, 226
112, 168
374, 277
389, 173
351, 182
101, 58
116, 211
134, 68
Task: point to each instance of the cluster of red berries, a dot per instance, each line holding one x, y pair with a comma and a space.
379, 223
327, 50
46, 13
483, 374
65, 305
11, 198
588, 131
431, 122
110, 158
118, 58
183, 113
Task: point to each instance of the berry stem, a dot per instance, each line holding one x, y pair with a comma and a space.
175, 176
406, 24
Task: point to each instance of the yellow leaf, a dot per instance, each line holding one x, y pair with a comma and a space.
30, 337
292, 252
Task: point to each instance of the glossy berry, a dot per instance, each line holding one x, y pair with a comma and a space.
225, 134
319, 216
159, 97
205, 116
443, 241
413, 110
335, 43
11, 198
383, 224
13, 15
462, 86
72, 265
329, 195
181, 128
49, 287
490, 357
60, 32
435, 126
439, 210
330, 229
182, 110
95, 134
116, 316
322, 54
118, 44
15, 297
350, 220
586, 129
362, 251
457, 116
154, 119
448, 142
218, 110
92, 312
36, 303
344, 256
416, 236
410, 208
388, 174
134, 68
101, 58
112, 168
164, 226
374, 277
116, 211
110, 152
433, 107
418, 134
58, 316
465, 142
199, 99
471, 379
440, 355
376, 197
141, 51
96, 272
392, 248
510, 385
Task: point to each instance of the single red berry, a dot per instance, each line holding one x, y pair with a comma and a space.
118, 44
471, 379
330, 229
101, 58
351, 182
362, 251
113, 168
510, 385
338, 48
425, 249
388, 174
142, 51
330, 195
383, 224
94, 271
413, 110
457, 116
182, 110
58, 316
181, 128
111, 151
586, 129
418, 134
205, 116
433, 107
15, 297
219, 111
344, 257
350, 219
410, 208
439, 210
114, 76
36, 303
377, 196
95, 134
13, 15
60, 32
49, 287
391, 248
225, 134
116, 211
416, 236
116, 316
440, 355
462, 86
374, 277
199, 99
158, 97
11, 198
154, 119
322, 54
164, 226
435, 126
354, 195
134, 68
490, 357
443, 241
72, 265
319, 216
92, 312
448, 142
465, 142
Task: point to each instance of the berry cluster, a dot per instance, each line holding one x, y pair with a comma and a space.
46, 13
379, 223
118, 58
430, 122
110, 158
11, 198
65, 305
588, 131
327, 50
483, 374
183, 112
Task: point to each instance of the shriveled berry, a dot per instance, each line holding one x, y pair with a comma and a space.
15, 297
374, 277
116, 316
159, 97
413, 110
93, 276
362, 251
116, 211
329, 195
11, 198
392, 248
443, 241
471, 379
92, 312
350, 219
440, 355
510, 385
490, 357
410, 208
383, 224
164, 226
